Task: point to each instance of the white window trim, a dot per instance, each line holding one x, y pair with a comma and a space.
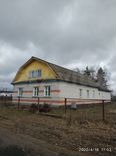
46, 95
35, 73
93, 93
20, 91
88, 94
80, 93
35, 95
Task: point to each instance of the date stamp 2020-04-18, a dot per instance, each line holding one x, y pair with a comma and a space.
96, 149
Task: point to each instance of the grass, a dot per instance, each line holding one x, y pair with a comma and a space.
91, 113
78, 128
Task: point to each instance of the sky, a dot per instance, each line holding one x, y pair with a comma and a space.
70, 33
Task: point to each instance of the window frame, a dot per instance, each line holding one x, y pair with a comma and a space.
88, 93
47, 91
35, 73
93, 93
80, 93
36, 91
20, 91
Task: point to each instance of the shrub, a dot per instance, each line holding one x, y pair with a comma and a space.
33, 107
45, 108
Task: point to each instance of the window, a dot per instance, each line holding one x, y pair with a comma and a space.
20, 92
47, 91
35, 73
87, 93
93, 93
36, 91
80, 92
30, 74
38, 73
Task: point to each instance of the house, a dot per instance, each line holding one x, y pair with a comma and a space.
5, 92
52, 83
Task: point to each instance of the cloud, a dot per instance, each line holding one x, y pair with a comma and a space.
69, 33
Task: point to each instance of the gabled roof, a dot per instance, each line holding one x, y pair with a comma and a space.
67, 75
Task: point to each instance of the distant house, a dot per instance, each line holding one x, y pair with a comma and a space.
52, 83
6, 93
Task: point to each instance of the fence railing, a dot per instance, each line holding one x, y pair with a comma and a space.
5, 100
70, 106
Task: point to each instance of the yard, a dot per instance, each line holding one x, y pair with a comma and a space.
78, 132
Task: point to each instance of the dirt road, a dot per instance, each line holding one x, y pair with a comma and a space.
39, 135
30, 146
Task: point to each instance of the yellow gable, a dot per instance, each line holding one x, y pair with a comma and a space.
46, 72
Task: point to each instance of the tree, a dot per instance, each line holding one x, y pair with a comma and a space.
90, 72
87, 72
102, 77
77, 70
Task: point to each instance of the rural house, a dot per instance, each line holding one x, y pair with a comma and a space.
52, 83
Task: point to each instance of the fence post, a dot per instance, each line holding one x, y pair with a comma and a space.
65, 105
38, 105
18, 102
103, 114
11, 99
5, 100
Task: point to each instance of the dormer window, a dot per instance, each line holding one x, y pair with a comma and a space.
35, 73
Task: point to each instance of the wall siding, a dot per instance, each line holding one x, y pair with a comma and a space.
69, 90
47, 72
59, 91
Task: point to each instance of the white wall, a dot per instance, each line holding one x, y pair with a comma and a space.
29, 88
70, 90
67, 90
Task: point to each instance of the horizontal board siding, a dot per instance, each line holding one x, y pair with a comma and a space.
40, 91
29, 94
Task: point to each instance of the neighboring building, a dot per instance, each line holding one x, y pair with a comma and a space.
52, 83
6, 93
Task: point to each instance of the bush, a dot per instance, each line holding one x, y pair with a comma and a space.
44, 108
33, 107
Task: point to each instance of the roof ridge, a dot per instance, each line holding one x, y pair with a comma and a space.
57, 65
66, 74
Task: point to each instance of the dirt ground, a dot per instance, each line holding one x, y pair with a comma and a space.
42, 135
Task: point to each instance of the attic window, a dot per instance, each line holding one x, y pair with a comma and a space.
35, 73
